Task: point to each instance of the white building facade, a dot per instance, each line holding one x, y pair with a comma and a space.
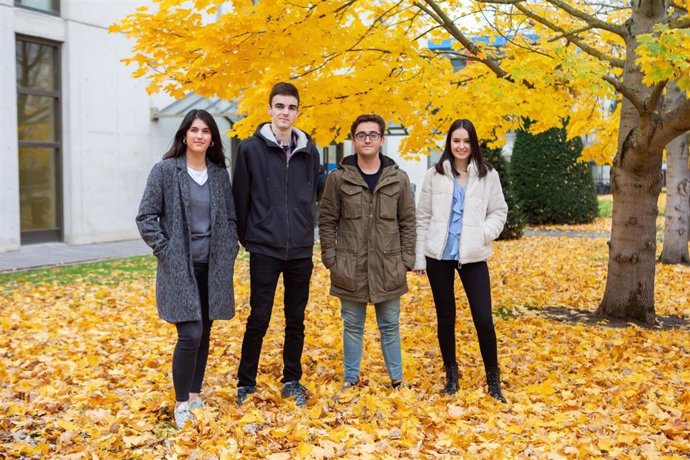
76, 136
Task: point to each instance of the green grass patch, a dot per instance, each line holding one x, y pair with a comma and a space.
106, 272
504, 312
605, 205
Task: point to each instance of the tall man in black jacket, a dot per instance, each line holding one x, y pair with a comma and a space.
274, 186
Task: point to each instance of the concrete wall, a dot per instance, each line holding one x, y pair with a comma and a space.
109, 142
9, 162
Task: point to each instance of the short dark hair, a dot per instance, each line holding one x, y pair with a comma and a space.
283, 89
179, 149
483, 166
367, 117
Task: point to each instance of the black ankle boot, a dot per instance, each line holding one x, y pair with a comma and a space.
451, 379
494, 382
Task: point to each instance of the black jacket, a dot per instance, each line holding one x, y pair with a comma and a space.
274, 197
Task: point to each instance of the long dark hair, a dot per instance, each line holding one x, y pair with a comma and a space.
215, 150
483, 167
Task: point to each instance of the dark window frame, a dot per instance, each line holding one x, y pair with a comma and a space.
43, 236
18, 3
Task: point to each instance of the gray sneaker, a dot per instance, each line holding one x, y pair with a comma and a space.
295, 390
182, 415
347, 385
244, 392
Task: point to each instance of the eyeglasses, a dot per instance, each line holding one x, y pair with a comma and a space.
362, 136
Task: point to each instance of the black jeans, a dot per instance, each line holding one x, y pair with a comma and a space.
475, 280
263, 278
191, 351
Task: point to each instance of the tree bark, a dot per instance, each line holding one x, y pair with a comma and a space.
629, 290
635, 186
676, 224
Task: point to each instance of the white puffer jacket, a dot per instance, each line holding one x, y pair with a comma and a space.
483, 218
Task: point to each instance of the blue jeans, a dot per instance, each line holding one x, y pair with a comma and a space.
387, 315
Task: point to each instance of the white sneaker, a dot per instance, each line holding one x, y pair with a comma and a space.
198, 403
182, 415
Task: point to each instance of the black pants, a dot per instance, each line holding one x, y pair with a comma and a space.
475, 280
191, 351
263, 278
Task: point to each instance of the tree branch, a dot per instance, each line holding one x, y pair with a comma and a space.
344, 6
629, 95
679, 23
672, 124
431, 13
442, 18
653, 99
511, 40
431, 29
589, 19
615, 62
571, 33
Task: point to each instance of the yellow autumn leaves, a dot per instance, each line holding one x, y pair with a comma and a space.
85, 373
349, 58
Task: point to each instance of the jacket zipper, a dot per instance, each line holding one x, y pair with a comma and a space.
445, 238
287, 213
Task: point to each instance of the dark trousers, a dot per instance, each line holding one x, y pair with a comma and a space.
475, 280
191, 351
263, 278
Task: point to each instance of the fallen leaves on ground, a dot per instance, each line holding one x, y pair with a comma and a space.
85, 373
599, 225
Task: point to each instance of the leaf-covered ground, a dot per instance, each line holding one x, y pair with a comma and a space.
85, 372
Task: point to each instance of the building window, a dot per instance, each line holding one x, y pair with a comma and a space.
38, 127
48, 6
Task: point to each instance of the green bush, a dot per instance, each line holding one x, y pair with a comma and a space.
515, 224
553, 187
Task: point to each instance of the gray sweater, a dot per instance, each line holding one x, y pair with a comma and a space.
200, 221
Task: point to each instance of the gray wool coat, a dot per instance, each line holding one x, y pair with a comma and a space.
163, 223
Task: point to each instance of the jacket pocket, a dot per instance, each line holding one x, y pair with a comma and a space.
352, 201
162, 252
388, 202
393, 270
473, 246
267, 227
301, 226
393, 265
344, 270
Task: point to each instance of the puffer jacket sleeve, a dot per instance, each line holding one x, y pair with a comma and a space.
407, 222
423, 219
329, 215
497, 210
151, 211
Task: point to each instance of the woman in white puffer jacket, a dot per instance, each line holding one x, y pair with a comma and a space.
461, 210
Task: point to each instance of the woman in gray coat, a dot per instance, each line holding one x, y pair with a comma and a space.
187, 216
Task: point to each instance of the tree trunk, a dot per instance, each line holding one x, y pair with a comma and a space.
629, 290
676, 227
635, 186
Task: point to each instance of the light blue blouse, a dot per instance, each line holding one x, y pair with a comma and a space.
452, 249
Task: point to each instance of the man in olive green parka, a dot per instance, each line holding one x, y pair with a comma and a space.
367, 232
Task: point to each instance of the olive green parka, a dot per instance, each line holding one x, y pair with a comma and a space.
367, 239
